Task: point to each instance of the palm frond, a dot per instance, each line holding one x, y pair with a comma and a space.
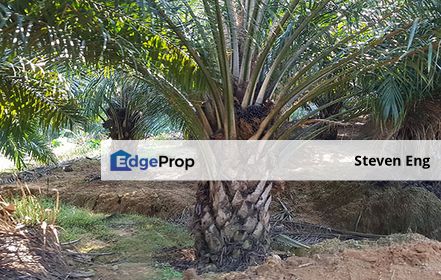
149, 110
19, 140
190, 52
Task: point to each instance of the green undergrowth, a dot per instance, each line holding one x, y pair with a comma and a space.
139, 237
77, 223
133, 230
131, 238
31, 211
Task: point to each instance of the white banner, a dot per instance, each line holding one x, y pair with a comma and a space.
270, 160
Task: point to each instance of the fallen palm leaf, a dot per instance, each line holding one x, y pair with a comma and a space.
289, 241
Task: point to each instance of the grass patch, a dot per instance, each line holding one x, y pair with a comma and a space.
133, 236
78, 223
146, 235
167, 273
134, 239
31, 211
28, 209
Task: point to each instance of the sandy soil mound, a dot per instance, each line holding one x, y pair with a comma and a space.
419, 259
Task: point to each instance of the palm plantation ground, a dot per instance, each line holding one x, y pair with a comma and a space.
142, 229
211, 69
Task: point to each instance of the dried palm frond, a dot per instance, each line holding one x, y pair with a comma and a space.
6, 210
422, 122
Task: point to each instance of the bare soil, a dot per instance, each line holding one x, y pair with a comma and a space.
416, 260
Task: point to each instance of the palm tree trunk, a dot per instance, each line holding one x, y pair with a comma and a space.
231, 224
121, 123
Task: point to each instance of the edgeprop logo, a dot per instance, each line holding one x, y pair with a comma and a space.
123, 161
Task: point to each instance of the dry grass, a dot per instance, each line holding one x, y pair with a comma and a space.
27, 210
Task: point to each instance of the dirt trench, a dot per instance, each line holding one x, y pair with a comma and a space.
81, 186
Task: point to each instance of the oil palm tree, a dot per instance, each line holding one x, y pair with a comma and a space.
232, 69
405, 96
270, 58
31, 101
128, 107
